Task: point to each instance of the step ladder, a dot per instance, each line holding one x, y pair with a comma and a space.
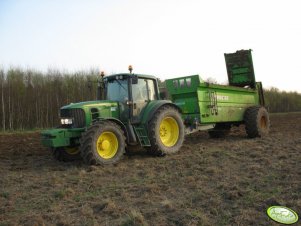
141, 133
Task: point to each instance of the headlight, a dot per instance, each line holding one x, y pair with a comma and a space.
66, 121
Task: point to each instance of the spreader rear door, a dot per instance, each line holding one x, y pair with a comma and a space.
240, 68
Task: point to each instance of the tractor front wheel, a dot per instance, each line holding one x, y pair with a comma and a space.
103, 143
166, 131
257, 121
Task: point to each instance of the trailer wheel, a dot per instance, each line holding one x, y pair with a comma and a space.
66, 154
220, 130
257, 121
166, 132
103, 143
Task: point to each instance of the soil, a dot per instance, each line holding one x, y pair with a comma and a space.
228, 181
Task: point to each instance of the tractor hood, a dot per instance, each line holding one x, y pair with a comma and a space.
84, 113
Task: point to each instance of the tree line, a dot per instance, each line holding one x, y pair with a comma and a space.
32, 99
282, 101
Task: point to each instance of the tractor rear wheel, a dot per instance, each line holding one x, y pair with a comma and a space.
66, 154
166, 132
257, 121
103, 143
220, 130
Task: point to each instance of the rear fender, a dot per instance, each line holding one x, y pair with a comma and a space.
153, 107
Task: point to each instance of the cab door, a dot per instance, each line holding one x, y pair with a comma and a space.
142, 93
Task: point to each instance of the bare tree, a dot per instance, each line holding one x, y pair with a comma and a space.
2, 99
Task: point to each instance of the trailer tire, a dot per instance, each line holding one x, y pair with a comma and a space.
103, 143
257, 122
66, 154
220, 130
166, 131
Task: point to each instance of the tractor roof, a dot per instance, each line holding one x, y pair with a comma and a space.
128, 74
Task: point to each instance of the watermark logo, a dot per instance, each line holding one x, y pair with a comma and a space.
282, 214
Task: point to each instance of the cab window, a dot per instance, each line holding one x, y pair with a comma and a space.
151, 89
144, 90
117, 90
139, 90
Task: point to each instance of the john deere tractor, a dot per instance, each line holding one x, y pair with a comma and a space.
131, 113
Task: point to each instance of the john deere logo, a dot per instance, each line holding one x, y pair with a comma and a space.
282, 214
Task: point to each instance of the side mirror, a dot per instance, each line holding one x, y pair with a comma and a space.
134, 79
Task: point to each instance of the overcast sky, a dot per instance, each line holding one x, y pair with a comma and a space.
166, 38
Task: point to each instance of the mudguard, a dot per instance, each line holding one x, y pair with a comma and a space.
152, 108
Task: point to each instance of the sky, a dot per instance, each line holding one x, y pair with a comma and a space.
165, 38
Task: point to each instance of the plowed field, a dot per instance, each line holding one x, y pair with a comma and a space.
227, 181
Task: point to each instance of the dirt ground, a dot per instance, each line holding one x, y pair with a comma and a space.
227, 181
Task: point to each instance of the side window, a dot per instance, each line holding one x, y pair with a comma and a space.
139, 90
175, 83
188, 82
182, 83
151, 90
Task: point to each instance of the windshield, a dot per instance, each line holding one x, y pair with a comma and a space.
117, 90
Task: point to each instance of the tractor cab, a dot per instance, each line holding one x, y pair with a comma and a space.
132, 92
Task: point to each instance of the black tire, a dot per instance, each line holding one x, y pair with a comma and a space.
66, 154
257, 121
91, 144
220, 130
169, 115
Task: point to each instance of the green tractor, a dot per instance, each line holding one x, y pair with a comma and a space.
131, 113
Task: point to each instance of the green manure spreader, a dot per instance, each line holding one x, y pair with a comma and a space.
130, 112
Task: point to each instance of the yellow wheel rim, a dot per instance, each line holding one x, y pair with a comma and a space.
107, 145
169, 131
72, 151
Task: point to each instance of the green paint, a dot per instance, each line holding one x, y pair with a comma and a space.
282, 214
